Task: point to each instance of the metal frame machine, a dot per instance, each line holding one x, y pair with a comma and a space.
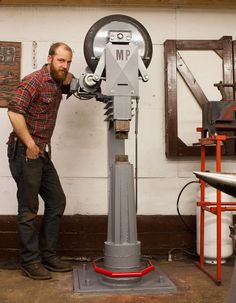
118, 50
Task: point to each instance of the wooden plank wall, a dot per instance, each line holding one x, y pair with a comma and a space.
82, 235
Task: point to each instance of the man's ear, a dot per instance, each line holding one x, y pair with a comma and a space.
49, 59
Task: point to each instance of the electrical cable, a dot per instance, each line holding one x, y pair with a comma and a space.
177, 206
83, 96
136, 154
181, 250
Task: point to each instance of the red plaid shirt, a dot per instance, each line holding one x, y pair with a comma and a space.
38, 98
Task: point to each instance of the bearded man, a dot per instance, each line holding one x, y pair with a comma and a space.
33, 113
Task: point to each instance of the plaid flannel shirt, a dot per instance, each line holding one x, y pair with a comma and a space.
38, 98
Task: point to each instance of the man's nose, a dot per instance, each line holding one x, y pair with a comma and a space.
65, 65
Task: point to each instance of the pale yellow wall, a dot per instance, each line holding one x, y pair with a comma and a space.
79, 142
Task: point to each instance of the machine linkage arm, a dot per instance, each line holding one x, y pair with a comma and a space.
142, 70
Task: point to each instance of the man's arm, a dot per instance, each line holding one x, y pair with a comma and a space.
20, 127
66, 85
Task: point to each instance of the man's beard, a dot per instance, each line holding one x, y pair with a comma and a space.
58, 75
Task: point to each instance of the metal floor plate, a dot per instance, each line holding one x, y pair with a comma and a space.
86, 280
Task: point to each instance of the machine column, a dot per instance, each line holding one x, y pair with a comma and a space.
122, 250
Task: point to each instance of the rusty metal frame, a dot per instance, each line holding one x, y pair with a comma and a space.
10, 65
174, 63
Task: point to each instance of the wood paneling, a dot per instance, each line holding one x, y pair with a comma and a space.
171, 131
224, 47
190, 81
216, 4
85, 235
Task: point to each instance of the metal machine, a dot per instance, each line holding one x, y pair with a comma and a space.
227, 184
118, 49
218, 116
223, 181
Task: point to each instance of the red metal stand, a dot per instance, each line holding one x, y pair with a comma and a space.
213, 207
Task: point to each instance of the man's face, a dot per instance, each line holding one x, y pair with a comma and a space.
59, 64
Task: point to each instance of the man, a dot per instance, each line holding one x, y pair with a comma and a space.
33, 113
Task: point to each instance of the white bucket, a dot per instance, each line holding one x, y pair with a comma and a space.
210, 235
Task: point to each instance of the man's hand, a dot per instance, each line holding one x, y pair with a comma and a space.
19, 125
33, 151
68, 79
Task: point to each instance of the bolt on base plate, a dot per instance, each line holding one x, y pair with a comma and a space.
86, 280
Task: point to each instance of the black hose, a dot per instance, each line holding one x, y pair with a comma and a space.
177, 206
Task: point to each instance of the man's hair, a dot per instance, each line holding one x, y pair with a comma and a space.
55, 46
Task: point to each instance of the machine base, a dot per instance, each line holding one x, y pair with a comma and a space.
86, 280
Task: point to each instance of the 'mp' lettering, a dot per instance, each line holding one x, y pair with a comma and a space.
122, 54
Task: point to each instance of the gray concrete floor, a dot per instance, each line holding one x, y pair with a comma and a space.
192, 286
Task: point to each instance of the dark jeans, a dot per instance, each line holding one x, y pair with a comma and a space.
33, 178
